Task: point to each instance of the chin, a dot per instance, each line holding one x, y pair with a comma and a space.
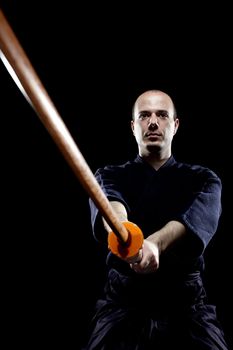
152, 147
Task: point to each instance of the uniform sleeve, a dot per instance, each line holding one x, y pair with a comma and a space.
110, 182
202, 216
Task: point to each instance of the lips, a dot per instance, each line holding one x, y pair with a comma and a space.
152, 134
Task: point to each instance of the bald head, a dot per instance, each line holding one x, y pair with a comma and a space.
158, 97
154, 124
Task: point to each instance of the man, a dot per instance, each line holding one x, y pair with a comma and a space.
156, 300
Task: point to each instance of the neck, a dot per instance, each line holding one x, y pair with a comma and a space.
157, 159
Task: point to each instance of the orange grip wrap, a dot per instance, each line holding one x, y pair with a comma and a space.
133, 244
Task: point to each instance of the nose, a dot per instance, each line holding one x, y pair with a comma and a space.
153, 121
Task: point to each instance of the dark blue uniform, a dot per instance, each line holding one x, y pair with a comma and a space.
168, 308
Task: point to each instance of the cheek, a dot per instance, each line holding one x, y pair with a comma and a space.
170, 132
138, 133
138, 129
140, 126
167, 130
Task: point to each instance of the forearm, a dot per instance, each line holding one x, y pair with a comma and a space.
163, 238
120, 211
168, 235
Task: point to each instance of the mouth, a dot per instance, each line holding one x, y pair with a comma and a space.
152, 136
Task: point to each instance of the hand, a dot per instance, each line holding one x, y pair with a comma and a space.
150, 259
135, 259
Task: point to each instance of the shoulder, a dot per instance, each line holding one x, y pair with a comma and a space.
197, 171
116, 168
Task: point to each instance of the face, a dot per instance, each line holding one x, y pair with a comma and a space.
154, 125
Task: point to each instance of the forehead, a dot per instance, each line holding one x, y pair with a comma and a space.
153, 101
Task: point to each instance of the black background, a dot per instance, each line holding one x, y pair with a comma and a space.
94, 60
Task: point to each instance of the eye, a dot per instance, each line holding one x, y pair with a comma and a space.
162, 114
143, 115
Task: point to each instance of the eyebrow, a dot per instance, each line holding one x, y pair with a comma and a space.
156, 111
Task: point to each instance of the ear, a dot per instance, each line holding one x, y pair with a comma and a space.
177, 123
132, 125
